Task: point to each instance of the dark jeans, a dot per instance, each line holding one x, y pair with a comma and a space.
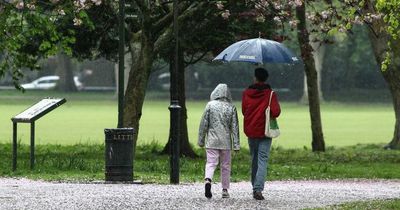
259, 151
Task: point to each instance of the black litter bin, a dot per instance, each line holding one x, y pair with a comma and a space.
119, 154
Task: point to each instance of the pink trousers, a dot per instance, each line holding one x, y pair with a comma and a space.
213, 157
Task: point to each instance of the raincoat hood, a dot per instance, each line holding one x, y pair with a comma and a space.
221, 92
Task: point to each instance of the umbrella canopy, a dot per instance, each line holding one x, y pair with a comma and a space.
257, 50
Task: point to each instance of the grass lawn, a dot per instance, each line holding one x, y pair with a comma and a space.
84, 116
86, 162
367, 205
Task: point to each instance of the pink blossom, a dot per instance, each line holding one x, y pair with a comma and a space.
277, 19
368, 18
31, 6
357, 20
226, 14
258, 7
324, 14
342, 29
293, 23
61, 12
277, 6
376, 16
264, 3
260, 18
310, 17
20, 5
220, 6
77, 21
298, 2
96, 2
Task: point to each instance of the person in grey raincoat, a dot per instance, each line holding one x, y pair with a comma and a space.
219, 133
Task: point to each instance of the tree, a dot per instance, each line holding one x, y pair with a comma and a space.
318, 143
29, 31
154, 33
382, 18
204, 38
384, 35
65, 72
319, 55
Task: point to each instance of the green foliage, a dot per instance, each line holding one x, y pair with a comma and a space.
206, 30
391, 11
350, 63
83, 162
34, 30
391, 15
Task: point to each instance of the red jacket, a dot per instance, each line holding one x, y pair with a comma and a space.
255, 100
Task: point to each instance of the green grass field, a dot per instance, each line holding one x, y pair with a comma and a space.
389, 204
86, 162
85, 115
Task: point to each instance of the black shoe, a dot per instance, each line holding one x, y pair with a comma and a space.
258, 196
208, 193
225, 193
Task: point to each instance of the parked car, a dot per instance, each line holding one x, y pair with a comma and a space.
48, 83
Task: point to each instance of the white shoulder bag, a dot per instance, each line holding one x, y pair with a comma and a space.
271, 124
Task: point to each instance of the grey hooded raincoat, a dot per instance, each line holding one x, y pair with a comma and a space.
219, 127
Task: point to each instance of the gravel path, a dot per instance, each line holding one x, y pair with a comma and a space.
28, 194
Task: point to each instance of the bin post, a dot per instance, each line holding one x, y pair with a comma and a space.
175, 110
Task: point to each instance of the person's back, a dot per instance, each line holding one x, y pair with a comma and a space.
219, 133
255, 101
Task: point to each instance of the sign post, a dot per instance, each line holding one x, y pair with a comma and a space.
30, 115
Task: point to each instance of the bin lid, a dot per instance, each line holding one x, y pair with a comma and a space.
112, 131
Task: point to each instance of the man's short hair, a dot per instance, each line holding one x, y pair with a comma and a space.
261, 74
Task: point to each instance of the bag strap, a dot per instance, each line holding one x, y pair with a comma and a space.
270, 98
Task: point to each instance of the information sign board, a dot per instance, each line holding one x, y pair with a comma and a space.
38, 110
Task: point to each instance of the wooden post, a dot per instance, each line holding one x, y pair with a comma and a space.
14, 154
32, 145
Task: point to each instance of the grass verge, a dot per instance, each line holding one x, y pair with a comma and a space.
366, 205
83, 162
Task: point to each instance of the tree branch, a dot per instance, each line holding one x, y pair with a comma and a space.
168, 19
193, 61
167, 34
142, 7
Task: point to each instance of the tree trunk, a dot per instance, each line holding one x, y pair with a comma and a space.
65, 72
318, 143
379, 39
394, 83
128, 64
185, 147
318, 54
136, 87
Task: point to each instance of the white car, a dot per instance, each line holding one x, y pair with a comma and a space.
48, 83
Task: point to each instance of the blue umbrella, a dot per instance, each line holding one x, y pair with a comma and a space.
257, 50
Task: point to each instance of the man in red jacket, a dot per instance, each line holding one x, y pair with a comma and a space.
255, 101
